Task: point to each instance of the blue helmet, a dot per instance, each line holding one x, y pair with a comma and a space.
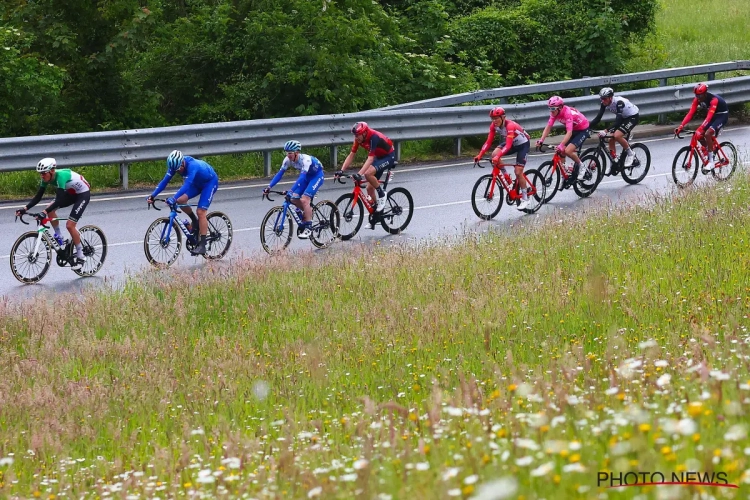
174, 160
292, 146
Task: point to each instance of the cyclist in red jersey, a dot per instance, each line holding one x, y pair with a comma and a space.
716, 117
516, 141
380, 156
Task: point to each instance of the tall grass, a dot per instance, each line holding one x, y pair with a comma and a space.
522, 363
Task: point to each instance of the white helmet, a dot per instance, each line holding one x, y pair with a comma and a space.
45, 165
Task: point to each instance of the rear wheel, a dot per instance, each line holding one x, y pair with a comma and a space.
325, 224
351, 215
641, 163
487, 197
684, 167
536, 196
26, 265
399, 207
94, 249
551, 178
162, 251
727, 155
276, 230
219, 236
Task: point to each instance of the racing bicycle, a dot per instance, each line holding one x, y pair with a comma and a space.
633, 174
276, 228
487, 195
558, 177
687, 159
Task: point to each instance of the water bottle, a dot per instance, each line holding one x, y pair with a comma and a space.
299, 213
59, 239
505, 174
188, 225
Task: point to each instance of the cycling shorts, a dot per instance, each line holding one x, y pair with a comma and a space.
579, 137
522, 152
384, 163
206, 191
78, 200
307, 185
718, 122
628, 124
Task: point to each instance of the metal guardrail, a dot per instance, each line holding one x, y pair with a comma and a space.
128, 146
582, 83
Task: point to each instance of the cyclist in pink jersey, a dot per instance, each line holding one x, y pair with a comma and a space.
516, 141
576, 131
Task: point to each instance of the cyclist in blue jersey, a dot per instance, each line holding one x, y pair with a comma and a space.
200, 179
309, 181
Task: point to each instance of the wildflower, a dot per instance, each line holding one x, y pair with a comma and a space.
663, 380
360, 464
737, 432
644, 427
695, 408
471, 479
524, 461
542, 470
315, 492
423, 466
498, 489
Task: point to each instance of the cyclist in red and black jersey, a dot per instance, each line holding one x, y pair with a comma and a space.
716, 117
380, 156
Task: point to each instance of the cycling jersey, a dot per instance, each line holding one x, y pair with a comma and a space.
513, 133
68, 181
306, 164
571, 118
197, 173
716, 106
621, 107
376, 144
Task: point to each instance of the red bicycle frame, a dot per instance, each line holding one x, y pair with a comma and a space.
511, 187
695, 150
357, 191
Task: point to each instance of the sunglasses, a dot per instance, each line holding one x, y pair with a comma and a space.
551, 108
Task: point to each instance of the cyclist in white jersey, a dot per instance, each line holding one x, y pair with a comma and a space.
71, 189
626, 118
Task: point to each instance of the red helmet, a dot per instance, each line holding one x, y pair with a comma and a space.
700, 88
497, 112
360, 128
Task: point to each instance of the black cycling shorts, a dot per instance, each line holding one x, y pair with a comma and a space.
79, 202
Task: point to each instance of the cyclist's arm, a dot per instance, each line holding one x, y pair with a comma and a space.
508, 145
188, 181
711, 110
56, 202
279, 174
349, 159
488, 143
37, 197
545, 132
598, 118
162, 185
690, 114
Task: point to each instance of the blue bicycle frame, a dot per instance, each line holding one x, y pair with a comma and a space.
281, 218
167, 231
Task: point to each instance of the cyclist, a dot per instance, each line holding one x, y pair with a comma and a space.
71, 189
200, 178
626, 118
716, 118
577, 131
309, 181
516, 141
380, 156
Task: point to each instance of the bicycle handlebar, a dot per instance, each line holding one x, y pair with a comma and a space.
357, 177
688, 132
31, 214
543, 148
163, 200
268, 197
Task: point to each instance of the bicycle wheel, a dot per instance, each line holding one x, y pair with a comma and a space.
551, 178
94, 249
325, 224
684, 167
219, 237
601, 157
399, 207
536, 196
641, 163
585, 187
273, 237
162, 253
486, 204
727, 152
27, 267
351, 216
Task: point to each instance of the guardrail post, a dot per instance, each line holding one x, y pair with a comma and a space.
711, 75
457, 146
586, 90
267, 163
662, 118
334, 156
503, 100
397, 147
124, 175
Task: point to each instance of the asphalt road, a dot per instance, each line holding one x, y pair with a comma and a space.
441, 193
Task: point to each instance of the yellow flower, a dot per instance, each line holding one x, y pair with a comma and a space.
695, 408
564, 453
717, 452
575, 457
468, 490
486, 459
621, 396
634, 463
556, 479
512, 387
681, 468
666, 450
644, 427
502, 433
544, 428
187, 485
696, 437
413, 417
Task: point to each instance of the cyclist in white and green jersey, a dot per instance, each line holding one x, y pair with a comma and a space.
72, 189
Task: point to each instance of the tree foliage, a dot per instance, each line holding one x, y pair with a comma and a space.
108, 64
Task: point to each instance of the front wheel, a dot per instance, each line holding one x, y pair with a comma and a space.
487, 197
352, 215
219, 236
325, 224
636, 172
94, 249
399, 207
28, 265
276, 230
685, 167
535, 182
551, 176
590, 175
726, 157
162, 243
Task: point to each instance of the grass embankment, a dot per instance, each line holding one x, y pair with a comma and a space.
530, 360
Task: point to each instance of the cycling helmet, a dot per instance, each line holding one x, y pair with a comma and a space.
360, 128
292, 146
45, 165
555, 102
174, 160
497, 112
606, 92
700, 89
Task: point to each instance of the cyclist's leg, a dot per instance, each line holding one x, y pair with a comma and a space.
574, 144
375, 172
311, 188
79, 205
522, 154
296, 192
192, 192
207, 196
